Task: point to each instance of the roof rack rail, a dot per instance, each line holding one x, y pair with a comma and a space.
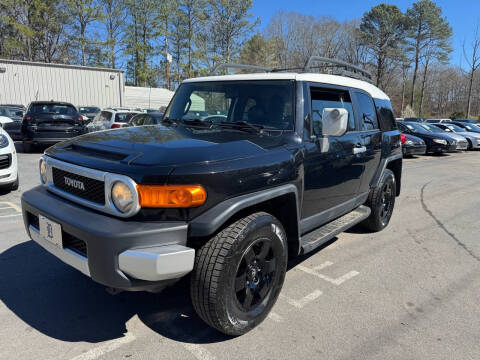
239, 66
349, 70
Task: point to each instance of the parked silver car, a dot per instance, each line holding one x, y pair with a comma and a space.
473, 138
462, 143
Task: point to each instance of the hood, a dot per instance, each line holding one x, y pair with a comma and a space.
455, 136
165, 146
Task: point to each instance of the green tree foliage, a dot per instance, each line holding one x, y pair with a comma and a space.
257, 51
83, 13
428, 37
382, 32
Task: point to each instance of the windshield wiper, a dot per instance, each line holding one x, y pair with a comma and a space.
197, 122
169, 120
243, 125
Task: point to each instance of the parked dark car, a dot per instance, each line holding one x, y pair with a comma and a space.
471, 121
14, 129
412, 145
298, 159
468, 126
89, 111
435, 142
414, 119
151, 118
15, 106
49, 122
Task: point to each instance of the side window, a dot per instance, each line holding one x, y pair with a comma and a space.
105, 116
147, 120
368, 117
326, 98
386, 119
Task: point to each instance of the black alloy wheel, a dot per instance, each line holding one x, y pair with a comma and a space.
255, 275
239, 273
381, 202
387, 201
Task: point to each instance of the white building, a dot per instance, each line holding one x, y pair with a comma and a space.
23, 81
147, 98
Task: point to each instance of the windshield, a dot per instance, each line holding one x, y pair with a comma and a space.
123, 117
11, 112
472, 127
431, 128
267, 103
455, 128
89, 110
416, 127
53, 109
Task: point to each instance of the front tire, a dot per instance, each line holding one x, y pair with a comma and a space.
239, 273
381, 201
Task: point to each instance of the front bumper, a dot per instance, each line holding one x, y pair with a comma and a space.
121, 254
9, 173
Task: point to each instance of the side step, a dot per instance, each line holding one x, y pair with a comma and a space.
320, 236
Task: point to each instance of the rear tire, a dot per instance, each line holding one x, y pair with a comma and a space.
381, 201
239, 273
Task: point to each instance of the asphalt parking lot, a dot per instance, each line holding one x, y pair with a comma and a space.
409, 292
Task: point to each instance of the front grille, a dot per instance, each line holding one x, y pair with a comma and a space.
73, 243
91, 189
5, 161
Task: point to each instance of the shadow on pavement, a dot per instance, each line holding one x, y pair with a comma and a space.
62, 303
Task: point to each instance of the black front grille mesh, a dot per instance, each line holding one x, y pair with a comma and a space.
73, 243
5, 161
92, 190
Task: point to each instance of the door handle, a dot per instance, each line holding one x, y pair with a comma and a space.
359, 149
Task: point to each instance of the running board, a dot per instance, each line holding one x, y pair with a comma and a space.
317, 237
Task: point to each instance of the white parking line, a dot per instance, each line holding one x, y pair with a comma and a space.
105, 348
338, 281
303, 301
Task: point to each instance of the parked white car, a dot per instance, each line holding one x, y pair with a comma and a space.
4, 120
111, 118
8, 162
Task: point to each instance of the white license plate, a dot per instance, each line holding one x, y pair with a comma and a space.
50, 230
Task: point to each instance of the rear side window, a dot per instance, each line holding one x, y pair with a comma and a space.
326, 98
386, 119
368, 118
123, 117
59, 109
105, 116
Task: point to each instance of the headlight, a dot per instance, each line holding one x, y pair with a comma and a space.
3, 141
122, 197
409, 142
43, 171
440, 141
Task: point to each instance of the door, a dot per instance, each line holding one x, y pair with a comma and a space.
370, 138
331, 167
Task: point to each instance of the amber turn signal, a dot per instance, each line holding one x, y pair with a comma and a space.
171, 196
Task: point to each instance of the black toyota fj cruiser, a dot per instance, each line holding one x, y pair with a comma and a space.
276, 165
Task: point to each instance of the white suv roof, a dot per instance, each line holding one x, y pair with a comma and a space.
313, 77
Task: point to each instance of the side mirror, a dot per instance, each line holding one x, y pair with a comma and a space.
334, 121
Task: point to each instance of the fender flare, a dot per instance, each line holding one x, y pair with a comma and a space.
211, 220
381, 168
